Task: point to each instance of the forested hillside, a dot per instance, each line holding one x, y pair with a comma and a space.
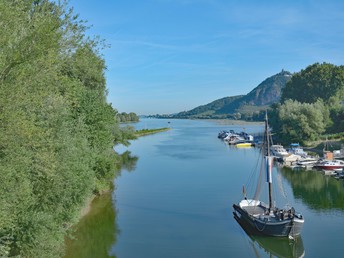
210, 110
246, 107
311, 104
57, 131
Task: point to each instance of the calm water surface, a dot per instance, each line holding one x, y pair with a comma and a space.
177, 201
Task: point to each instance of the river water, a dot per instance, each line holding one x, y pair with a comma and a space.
176, 200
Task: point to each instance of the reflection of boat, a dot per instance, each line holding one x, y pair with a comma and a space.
340, 175
268, 219
330, 164
278, 247
329, 172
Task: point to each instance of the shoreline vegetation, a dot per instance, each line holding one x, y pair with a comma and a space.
88, 203
57, 130
144, 132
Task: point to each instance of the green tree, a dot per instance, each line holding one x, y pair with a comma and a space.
318, 81
127, 117
295, 121
311, 103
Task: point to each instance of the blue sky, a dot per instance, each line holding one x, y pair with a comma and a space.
168, 56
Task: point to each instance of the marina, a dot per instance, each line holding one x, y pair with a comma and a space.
295, 157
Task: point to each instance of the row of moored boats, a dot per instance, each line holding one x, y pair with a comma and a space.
241, 139
294, 155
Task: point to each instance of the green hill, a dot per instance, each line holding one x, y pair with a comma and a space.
242, 106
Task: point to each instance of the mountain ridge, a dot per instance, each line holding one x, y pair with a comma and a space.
245, 107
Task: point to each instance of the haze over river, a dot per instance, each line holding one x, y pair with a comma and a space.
174, 199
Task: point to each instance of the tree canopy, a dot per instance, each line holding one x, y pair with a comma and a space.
318, 81
57, 131
311, 104
127, 117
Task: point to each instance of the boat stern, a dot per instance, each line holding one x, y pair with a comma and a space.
297, 225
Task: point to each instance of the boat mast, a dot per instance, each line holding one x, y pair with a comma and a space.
267, 135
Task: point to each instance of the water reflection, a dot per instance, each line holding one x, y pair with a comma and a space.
127, 162
318, 191
273, 246
97, 231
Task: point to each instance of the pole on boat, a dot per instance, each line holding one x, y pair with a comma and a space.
269, 160
244, 192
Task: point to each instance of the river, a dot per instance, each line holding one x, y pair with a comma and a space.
176, 200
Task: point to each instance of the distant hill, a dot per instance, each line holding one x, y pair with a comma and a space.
242, 106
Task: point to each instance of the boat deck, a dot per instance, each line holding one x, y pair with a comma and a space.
255, 210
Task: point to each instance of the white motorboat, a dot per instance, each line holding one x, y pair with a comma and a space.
278, 151
307, 161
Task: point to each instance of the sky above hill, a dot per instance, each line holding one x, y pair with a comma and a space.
168, 56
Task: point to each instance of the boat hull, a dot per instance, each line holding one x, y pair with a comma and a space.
244, 145
264, 226
329, 167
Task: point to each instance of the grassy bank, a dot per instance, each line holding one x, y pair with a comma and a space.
144, 132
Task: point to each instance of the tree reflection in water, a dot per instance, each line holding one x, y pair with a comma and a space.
97, 231
319, 192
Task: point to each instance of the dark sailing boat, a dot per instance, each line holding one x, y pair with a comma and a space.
267, 219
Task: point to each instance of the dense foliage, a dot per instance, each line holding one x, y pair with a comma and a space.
311, 104
296, 122
127, 117
56, 129
318, 81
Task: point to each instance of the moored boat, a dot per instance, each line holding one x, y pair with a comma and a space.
330, 164
307, 162
278, 151
268, 219
235, 139
222, 134
296, 149
244, 144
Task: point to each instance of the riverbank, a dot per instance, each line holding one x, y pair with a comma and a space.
88, 203
145, 132
89, 206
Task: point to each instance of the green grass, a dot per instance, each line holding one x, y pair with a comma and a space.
144, 132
